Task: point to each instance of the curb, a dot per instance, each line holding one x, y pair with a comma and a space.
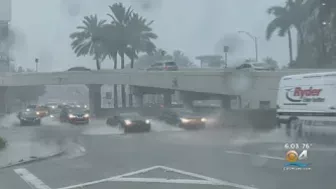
31, 160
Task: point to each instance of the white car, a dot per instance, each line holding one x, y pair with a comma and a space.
256, 66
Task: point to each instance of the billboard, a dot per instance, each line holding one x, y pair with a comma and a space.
5, 10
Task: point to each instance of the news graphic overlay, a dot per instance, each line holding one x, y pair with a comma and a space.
297, 157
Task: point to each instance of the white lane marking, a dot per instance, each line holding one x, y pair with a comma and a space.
163, 180
204, 179
261, 156
30, 179
107, 179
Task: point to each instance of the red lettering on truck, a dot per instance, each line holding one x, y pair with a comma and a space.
298, 91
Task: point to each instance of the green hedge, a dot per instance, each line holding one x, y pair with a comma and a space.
2, 143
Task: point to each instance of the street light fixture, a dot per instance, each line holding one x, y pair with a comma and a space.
255, 40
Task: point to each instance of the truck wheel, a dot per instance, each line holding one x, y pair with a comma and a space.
294, 128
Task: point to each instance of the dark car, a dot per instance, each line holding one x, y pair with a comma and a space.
29, 117
74, 115
165, 66
183, 118
130, 122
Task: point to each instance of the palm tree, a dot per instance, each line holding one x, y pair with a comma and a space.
110, 42
88, 41
120, 19
292, 15
140, 37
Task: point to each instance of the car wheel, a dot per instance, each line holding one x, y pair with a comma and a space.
38, 122
22, 123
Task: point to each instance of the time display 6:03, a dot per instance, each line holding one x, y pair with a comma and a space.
293, 146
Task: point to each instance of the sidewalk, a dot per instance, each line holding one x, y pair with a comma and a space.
21, 148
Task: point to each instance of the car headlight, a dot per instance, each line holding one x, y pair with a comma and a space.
185, 120
71, 116
52, 116
86, 115
204, 120
147, 121
128, 122
37, 113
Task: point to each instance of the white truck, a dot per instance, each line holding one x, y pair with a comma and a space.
306, 104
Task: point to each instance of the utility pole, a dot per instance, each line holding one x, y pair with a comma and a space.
36, 62
255, 40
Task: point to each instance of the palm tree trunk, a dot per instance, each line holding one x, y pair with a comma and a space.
132, 60
290, 46
130, 96
97, 63
115, 86
123, 91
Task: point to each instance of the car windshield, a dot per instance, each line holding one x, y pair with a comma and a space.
29, 113
269, 66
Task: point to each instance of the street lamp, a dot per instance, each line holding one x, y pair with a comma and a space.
255, 39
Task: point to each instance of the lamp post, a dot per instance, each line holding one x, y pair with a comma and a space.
255, 40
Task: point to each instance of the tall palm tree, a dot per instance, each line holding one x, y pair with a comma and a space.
88, 41
120, 19
110, 42
140, 37
292, 15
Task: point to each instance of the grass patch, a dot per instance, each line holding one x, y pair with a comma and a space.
3, 143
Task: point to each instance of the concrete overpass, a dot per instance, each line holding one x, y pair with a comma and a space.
193, 84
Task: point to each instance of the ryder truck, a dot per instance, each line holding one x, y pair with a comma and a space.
306, 104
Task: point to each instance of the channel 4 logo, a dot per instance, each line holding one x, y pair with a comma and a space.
297, 161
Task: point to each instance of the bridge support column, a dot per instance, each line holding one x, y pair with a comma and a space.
226, 102
167, 99
139, 100
186, 99
95, 98
3, 106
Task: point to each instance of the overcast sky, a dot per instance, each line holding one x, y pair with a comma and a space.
192, 26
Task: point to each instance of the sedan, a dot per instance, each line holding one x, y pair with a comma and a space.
130, 122
183, 118
29, 117
74, 115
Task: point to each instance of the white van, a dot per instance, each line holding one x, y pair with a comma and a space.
306, 104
